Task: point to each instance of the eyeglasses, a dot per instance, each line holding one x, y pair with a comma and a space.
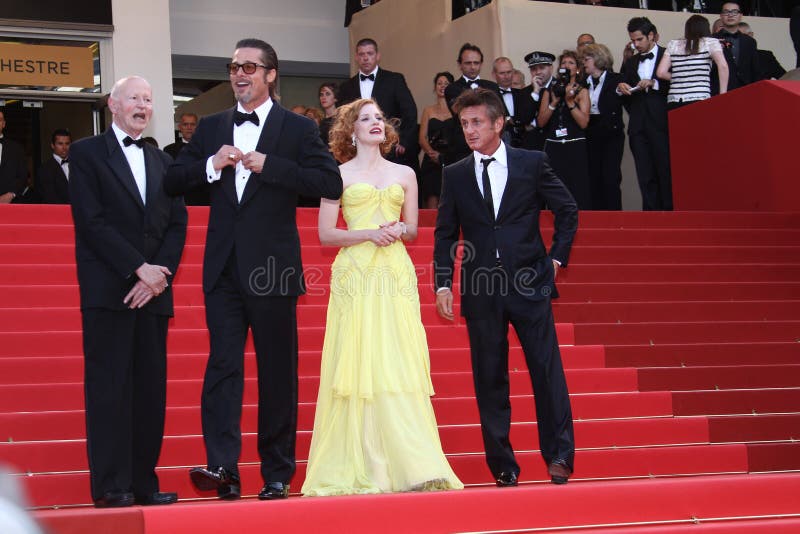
247, 68
730, 12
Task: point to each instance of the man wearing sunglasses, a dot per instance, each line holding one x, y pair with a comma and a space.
254, 159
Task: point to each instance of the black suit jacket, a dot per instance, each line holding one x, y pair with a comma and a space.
52, 184
393, 96
115, 232
173, 149
769, 65
261, 229
742, 70
515, 233
13, 170
609, 121
645, 109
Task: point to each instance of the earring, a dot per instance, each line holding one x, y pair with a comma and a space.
354, 139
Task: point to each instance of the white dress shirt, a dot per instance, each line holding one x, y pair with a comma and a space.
647, 68
594, 93
367, 85
135, 157
498, 174
245, 138
64, 166
508, 99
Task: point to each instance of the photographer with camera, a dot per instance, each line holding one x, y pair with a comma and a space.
564, 115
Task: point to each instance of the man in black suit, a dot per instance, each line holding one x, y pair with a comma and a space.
769, 66
740, 50
187, 124
493, 197
13, 171
470, 61
645, 98
541, 69
518, 109
390, 91
129, 237
53, 180
254, 159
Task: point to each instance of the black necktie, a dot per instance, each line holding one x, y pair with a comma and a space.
240, 118
367, 77
487, 186
64, 161
138, 142
643, 57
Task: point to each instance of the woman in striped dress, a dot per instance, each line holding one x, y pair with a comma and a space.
687, 63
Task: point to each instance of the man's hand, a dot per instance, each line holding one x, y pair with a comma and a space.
139, 295
555, 270
537, 83
227, 155
154, 276
444, 304
646, 85
6, 198
254, 161
624, 88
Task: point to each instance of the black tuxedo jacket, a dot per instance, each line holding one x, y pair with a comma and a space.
515, 233
609, 121
115, 232
769, 65
742, 70
13, 170
261, 229
391, 93
52, 184
173, 149
645, 109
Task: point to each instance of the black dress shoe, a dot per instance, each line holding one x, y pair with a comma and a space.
114, 499
274, 490
506, 479
156, 498
226, 483
559, 471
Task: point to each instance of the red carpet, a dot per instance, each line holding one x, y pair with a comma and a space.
679, 336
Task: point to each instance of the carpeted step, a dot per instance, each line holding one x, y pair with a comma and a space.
754, 428
70, 455
69, 396
72, 488
69, 424
767, 457
719, 377
757, 401
56, 369
702, 354
656, 333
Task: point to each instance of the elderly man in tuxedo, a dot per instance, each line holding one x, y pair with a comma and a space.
492, 196
129, 237
254, 159
53, 180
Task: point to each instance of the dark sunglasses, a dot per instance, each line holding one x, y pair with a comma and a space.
248, 68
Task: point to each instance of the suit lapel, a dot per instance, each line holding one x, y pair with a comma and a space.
154, 172
267, 144
119, 165
228, 176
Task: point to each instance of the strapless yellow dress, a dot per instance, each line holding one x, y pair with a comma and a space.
374, 428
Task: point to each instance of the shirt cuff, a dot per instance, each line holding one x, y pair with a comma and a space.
442, 290
212, 175
555, 260
655, 84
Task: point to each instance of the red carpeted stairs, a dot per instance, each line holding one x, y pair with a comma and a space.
680, 334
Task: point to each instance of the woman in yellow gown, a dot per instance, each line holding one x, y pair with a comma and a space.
374, 429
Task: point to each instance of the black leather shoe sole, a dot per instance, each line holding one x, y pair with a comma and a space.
229, 492
559, 472
115, 500
273, 491
506, 480
203, 479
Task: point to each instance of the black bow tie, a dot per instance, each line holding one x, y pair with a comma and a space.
643, 57
367, 77
505, 91
240, 118
66, 160
470, 81
138, 142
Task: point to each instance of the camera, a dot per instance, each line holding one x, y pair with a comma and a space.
562, 80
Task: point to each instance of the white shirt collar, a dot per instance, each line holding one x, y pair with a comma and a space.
478, 77
499, 155
261, 111
653, 50
57, 158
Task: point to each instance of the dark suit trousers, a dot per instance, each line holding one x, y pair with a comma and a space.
125, 369
605, 156
488, 337
650, 150
230, 312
